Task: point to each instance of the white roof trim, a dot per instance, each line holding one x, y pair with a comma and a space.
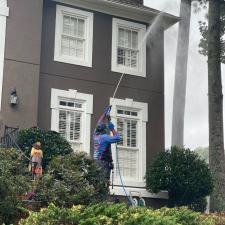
122, 10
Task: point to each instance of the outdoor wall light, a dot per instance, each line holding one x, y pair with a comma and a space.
13, 97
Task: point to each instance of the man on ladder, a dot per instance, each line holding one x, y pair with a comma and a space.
104, 136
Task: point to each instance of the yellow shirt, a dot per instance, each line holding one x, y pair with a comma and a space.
36, 155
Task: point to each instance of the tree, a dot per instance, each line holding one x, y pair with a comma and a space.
181, 74
183, 174
212, 44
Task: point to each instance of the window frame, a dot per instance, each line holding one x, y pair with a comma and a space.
88, 17
141, 29
142, 109
86, 110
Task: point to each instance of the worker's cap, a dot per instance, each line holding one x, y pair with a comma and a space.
101, 128
38, 143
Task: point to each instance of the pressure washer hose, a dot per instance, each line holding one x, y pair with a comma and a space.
121, 180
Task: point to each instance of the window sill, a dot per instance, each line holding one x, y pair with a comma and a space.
118, 190
72, 61
128, 71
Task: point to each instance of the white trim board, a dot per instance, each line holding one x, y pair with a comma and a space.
118, 190
4, 12
141, 59
87, 100
122, 10
88, 30
142, 108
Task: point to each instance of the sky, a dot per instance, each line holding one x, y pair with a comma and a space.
196, 109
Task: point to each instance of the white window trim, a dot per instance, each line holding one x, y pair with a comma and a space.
143, 116
144, 193
4, 12
88, 16
87, 100
141, 70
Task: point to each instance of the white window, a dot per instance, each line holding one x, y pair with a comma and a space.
73, 36
128, 47
71, 117
130, 118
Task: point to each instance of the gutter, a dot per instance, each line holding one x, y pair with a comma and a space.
124, 11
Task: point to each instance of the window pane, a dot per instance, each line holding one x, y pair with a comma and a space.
73, 26
127, 39
80, 28
134, 39
62, 103
71, 104
128, 163
120, 111
66, 25
134, 113
72, 50
80, 49
65, 45
121, 37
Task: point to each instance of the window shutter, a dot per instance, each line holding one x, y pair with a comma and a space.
128, 161
128, 156
62, 123
70, 127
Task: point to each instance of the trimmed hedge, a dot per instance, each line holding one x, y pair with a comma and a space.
53, 144
184, 175
72, 179
118, 214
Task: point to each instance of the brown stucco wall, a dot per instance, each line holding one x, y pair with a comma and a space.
22, 62
99, 80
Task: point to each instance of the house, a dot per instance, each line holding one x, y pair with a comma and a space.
62, 59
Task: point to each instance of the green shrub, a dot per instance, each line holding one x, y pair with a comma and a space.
72, 179
53, 143
14, 182
183, 174
118, 214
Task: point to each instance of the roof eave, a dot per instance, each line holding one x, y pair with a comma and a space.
124, 11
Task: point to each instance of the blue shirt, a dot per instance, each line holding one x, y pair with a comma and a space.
102, 146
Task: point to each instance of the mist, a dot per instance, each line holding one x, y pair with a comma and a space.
196, 109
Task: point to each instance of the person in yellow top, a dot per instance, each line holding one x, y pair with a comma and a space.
36, 156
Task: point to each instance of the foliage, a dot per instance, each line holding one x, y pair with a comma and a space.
118, 214
53, 143
13, 184
203, 27
183, 174
72, 179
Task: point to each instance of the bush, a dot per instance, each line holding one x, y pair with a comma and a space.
72, 179
184, 175
118, 214
53, 144
13, 184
